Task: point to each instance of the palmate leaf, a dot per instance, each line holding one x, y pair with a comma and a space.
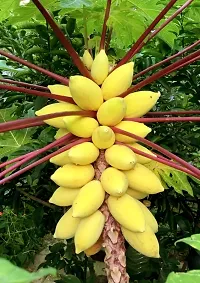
13, 140
189, 277
193, 241
172, 177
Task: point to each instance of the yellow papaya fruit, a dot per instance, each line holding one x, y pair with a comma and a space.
118, 81
66, 226
103, 137
80, 126
150, 219
89, 199
87, 59
62, 90
136, 128
73, 176
61, 133
95, 248
111, 112
140, 102
145, 243
135, 194
56, 108
61, 159
143, 180
142, 159
100, 67
64, 196
127, 212
114, 182
86, 93
83, 154
120, 157
89, 230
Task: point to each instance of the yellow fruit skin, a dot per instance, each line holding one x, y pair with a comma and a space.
83, 154
61, 133
64, 196
150, 219
136, 128
141, 159
89, 231
114, 182
145, 243
143, 180
127, 212
73, 176
120, 157
89, 199
87, 59
118, 81
66, 226
103, 137
62, 90
136, 194
80, 126
140, 102
61, 159
86, 93
95, 248
56, 108
111, 112
100, 67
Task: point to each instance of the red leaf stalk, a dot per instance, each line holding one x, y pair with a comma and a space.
160, 149
42, 160
63, 40
166, 60
38, 87
37, 93
56, 77
182, 112
164, 120
113, 240
103, 35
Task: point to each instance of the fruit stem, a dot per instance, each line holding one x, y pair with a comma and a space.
163, 72
160, 160
37, 121
38, 87
164, 119
42, 160
160, 149
113, 240
63, 40
106, 17
37, 93
190, 112
58, 78
166, 60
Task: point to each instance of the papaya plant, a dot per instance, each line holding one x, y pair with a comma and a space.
104, 172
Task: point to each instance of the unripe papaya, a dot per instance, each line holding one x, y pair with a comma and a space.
80, 126
114, 182
127, 212
111, 112
95, 248
118, 81
62, 90
89, 199
89, 230
100, 67
140, 102
86, 93
56, 108
73, 176
145, 243
64, 196
61, 133
136, 128
136, 194
66, 226
103, 137
141, 159
144, 180
120, 157
61, 159
150, 219
83, 154
87, 59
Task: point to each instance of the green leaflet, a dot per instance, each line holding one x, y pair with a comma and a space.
193, 241
10, 273
189, 277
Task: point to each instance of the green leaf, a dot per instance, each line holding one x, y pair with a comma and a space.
193, 241
189, 277
10, 273
75, 3
70, 279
